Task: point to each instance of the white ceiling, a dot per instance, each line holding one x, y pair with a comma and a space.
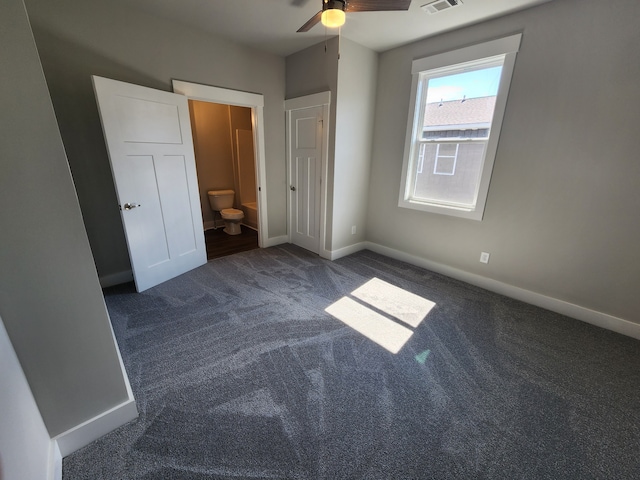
270, 25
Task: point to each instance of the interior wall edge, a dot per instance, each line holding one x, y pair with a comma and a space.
117, 278
94, 428
273, 241
55, 461
344, 251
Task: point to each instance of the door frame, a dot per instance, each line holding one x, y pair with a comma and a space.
322, 99
254, 101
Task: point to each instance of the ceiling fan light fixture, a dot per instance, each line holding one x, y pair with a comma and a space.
333, 15
333, 18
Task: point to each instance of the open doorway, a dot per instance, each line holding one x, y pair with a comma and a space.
225, 162
241, 115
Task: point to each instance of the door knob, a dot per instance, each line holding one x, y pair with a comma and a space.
129, 206
293, 189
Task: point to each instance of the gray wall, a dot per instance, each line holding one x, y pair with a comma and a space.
355, 105
50, 298
315, 70
24, 440
351, 79
80, 38
563, 206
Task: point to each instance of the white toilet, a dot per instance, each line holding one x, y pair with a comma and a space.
222, 201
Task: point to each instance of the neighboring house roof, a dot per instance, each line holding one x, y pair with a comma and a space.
476, 112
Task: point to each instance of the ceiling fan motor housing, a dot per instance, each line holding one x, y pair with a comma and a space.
334, 4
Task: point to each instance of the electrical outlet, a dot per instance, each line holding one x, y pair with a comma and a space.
353, 230
484, 257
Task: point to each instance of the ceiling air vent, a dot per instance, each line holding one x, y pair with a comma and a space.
440, 5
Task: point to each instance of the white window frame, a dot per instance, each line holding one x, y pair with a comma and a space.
506, 48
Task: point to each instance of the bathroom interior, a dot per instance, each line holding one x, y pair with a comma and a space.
225, 162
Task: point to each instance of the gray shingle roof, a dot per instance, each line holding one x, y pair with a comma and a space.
457, 112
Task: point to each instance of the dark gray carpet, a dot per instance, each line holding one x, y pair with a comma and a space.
239, 373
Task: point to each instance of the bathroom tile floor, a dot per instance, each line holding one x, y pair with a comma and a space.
219, 244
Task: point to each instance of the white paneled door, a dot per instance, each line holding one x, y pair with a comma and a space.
148, 137
305, 160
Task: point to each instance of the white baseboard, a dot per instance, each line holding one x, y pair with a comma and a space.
273, 241
587, 315
85, 433
343, 252
116, 278
55, 462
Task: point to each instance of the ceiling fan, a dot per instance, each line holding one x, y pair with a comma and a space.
333, 11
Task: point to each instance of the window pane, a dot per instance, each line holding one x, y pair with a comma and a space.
447, 149
445, 166
482, 82
459, 105
459, 187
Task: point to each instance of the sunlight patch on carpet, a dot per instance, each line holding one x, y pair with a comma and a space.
393, 302
407, 307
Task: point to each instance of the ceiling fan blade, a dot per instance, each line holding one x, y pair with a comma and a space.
298, 3
311, 22
377, 5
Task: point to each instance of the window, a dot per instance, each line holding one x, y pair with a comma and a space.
458, 101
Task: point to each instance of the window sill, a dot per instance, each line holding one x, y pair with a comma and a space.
450, 210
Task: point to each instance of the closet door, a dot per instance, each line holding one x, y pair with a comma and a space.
305, 161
